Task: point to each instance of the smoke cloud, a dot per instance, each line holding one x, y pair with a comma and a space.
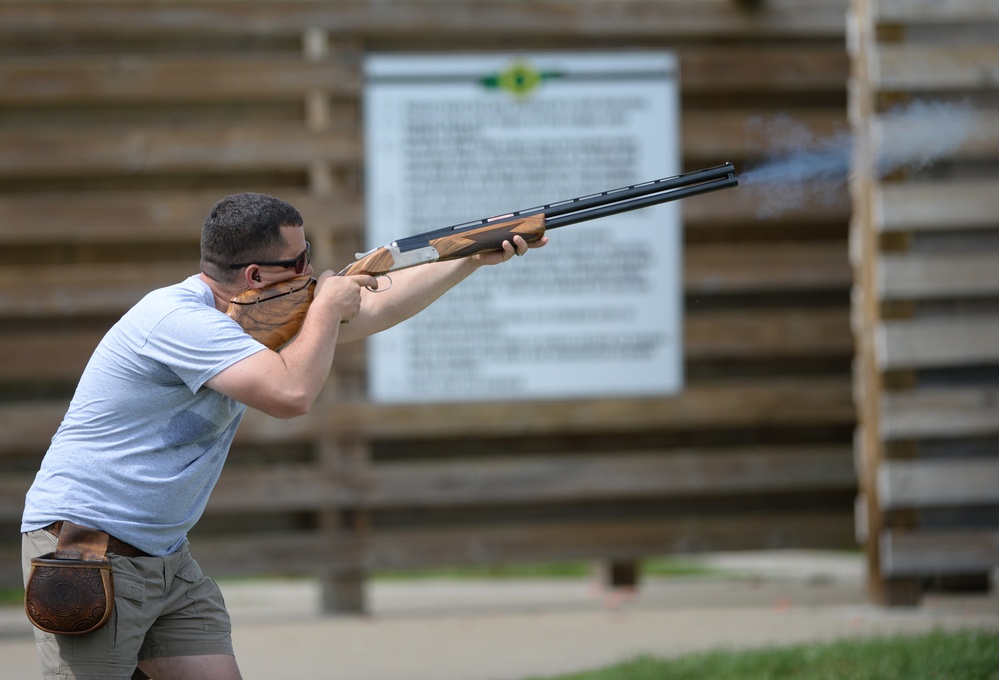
804, 168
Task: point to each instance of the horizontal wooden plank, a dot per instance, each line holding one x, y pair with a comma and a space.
610, 540
973, 140
940, 413
84, 290
937, 342
87, 289
263, 553
926, 276
268, 553
766, 267
934, 12
819, 401
751, 403
715, 134
158, 78
166, 216
281, 487
941, 205
918, 67
148, 217
615, 475
29, 426
769, 67
942, 552
485, 18
749, 209
87, 151
112, 79
936, 483
96, 149
33, 355
537, 479
103, 217
13, 487
535, 542
746, 334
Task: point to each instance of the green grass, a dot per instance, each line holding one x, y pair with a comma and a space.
662, 566
970, 655
11, 596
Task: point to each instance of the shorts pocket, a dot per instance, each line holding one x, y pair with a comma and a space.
117, 643
206, 597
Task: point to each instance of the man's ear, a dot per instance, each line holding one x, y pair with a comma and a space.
253, 278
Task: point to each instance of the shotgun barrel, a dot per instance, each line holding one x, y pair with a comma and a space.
612, 202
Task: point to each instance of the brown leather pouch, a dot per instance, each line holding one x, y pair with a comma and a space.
70, 591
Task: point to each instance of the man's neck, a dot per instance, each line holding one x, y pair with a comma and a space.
221, 292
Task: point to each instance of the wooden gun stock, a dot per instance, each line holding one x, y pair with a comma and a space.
280, 319
440, 246
275, 314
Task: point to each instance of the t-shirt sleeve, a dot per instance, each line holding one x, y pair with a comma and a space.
198, 343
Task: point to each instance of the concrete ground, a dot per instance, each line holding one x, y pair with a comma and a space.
518, 629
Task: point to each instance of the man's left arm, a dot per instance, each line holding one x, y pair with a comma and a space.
413, 290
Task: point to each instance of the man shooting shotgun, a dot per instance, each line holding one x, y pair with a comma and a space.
273, 315
131, 467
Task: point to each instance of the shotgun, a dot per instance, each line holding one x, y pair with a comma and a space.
280, 319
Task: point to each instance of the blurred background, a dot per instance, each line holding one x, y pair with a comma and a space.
841, 390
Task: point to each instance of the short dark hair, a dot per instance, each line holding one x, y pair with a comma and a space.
243, 228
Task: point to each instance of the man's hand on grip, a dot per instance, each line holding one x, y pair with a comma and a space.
342, 293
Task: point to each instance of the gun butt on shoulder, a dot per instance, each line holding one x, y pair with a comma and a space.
274, 315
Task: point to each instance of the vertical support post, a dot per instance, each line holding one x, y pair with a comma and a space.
316, 47
345, 458
868, 314
619, 574
346, 524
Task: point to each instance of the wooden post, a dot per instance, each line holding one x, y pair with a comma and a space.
344, 458
343, 582
315, 45
619, 574
868, 314
922, 317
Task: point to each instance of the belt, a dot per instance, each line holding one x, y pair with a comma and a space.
114, 545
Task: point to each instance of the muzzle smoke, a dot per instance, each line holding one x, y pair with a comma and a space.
805, 168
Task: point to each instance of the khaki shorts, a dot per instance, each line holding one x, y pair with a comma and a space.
164, 606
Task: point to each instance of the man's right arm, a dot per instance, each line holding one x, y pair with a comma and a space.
285, 384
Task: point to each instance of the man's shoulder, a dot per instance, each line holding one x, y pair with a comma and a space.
191, 293
192, 289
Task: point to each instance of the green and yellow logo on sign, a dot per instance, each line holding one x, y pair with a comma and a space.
519, 80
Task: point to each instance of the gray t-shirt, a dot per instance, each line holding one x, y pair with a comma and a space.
143, 442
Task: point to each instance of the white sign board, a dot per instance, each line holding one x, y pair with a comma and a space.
598, 312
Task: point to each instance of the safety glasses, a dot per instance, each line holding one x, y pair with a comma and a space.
299, 263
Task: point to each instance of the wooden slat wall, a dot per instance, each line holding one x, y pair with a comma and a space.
121, 123
927, 307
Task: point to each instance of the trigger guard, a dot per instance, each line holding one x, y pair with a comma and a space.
380, 289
